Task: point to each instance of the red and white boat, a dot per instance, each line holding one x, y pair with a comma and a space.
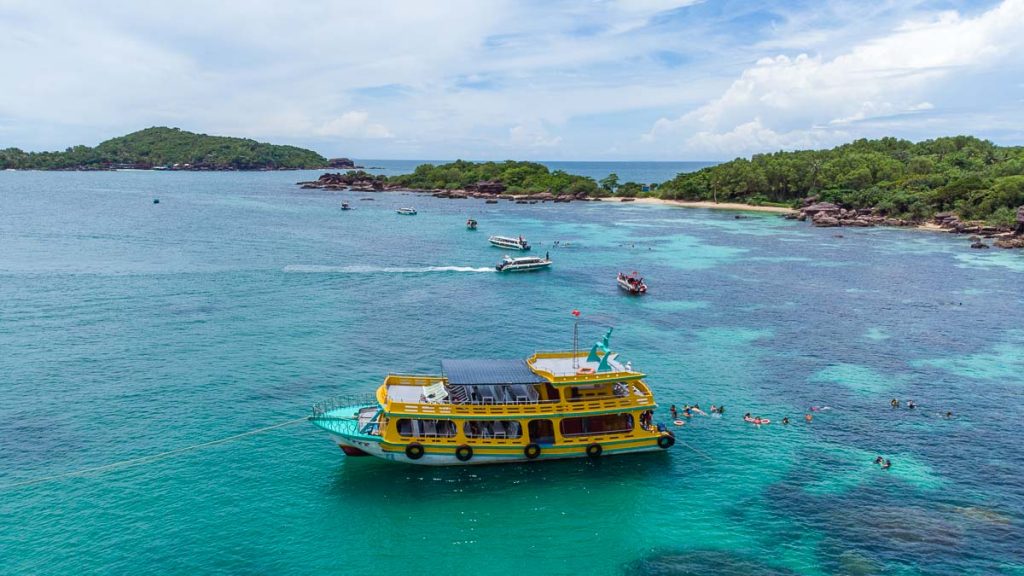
632, 283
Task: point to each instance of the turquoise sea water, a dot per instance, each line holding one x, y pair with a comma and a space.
129, 328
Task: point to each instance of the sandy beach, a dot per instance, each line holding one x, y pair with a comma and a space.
705, 204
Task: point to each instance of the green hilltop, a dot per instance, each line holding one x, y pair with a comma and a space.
160, 146
971, 177
518, 177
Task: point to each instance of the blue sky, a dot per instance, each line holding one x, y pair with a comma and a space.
492, 79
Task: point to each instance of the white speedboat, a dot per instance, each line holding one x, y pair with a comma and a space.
406, 211
509, 243
631, 283
524, 264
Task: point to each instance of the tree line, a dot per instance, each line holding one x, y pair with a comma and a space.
167, 147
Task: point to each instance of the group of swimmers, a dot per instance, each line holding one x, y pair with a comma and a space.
689, 411
883, 462
895, 403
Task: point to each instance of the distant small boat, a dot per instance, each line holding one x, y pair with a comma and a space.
156, 200
509, 243
525, 264
471, 224
632, 283
345, 206
406, 211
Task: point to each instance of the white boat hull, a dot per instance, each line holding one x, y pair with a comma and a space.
376, 449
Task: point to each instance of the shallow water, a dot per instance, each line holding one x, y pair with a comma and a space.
129, 328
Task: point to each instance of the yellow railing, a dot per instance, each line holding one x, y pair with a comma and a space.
413, 380
518, 410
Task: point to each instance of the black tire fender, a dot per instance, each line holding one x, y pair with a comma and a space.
531, 451
464, 453
594, 450
665, 441
414, 451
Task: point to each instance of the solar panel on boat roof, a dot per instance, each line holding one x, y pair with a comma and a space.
470, 372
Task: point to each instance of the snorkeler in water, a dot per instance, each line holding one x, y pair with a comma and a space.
887, 464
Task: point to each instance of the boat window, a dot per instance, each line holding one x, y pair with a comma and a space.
426, 428
492, 429
592, 425
542, 431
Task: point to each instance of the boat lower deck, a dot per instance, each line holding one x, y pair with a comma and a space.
439, 443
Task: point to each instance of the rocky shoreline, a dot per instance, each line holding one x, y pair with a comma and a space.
820, 214
488, 190
828, 215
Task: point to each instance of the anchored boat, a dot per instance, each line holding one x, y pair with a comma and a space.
406, 211
345, 206
509, 243
524, 264
632, 283
551, 405
471, 224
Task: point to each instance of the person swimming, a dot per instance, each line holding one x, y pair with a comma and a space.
949, 414
887, 464
808, 417
675, 413
879, 460
785, 419
895, 403
911, 405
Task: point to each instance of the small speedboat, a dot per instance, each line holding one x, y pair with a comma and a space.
406, 211
345, 206
509, 243
631, 283
524, 264
470, 224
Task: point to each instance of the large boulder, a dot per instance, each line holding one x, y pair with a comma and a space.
1019, 227
821, 208
340, 163
1011, 242
825, 221
487, 187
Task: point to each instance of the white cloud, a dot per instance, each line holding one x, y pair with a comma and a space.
403, 78
532, 136
354, 124
790, 102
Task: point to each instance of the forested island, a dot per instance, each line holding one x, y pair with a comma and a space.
167, 148
890, 179
972, 178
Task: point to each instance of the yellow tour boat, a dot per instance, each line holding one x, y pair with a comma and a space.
551, 405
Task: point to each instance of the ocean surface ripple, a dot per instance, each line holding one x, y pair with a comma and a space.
129, 328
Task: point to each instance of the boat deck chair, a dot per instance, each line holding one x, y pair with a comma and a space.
435, 393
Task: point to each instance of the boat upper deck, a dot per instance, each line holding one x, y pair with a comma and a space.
575, 368
489, 387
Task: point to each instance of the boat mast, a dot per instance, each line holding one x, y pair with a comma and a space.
575, 339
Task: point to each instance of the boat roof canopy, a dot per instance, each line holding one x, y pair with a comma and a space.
473, 372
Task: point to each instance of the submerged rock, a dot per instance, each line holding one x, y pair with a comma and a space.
703, 563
